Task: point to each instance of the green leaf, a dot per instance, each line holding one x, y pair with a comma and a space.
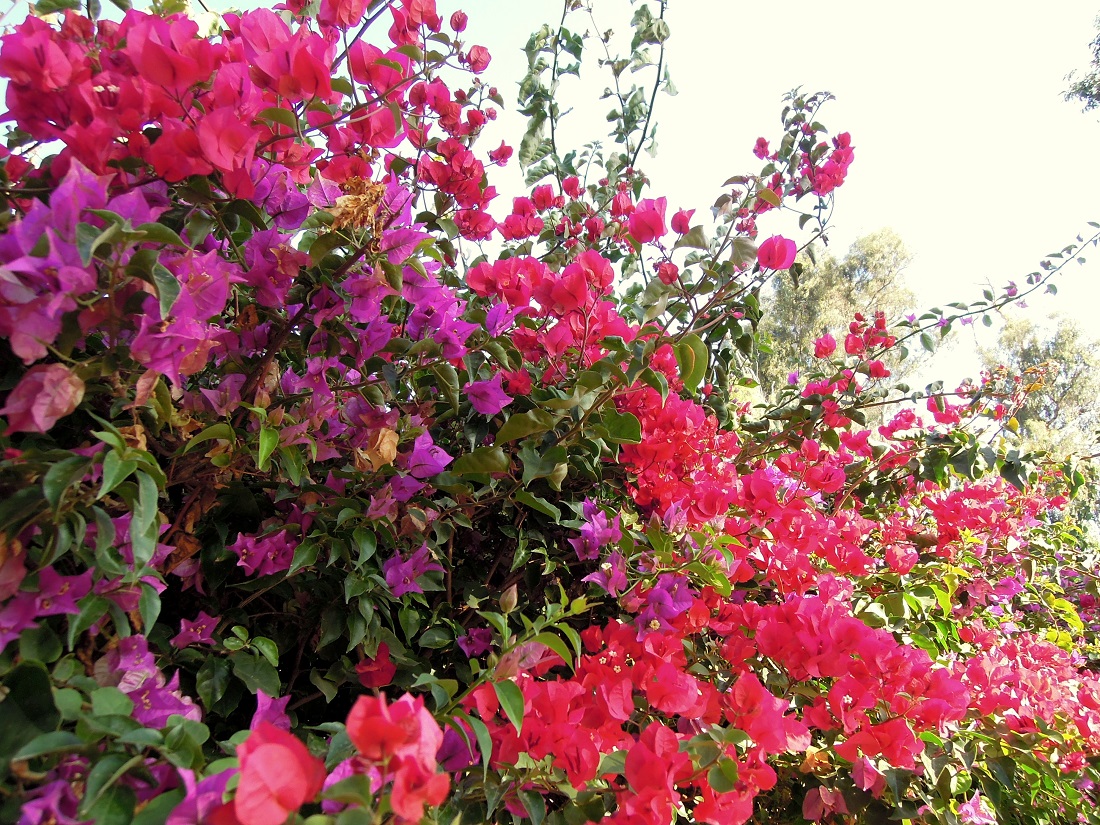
535, 804
40, 644
447, 381
256, 673
92, 609
511, 700
277, 114
556, 644
168, 289
744, 252
44, 7
693, 358
768, 196
540, 504
159, 233
695, 239
149, 606
63, 475
482, 460
157, 809
110, 701
435, 637
27, 710
144, 530
115, 471
220, 430
212, 680
522, 425
541, 465
323, 245
269, 440
623, 428
107, 802
268, 649
305, 555
57, 741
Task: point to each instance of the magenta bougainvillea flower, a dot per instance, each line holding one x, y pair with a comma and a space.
777, 252
401, 574
487, 397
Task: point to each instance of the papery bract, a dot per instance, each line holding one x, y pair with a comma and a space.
43, 396
278, 776
777, 252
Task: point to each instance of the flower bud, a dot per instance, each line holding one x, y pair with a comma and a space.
508, 599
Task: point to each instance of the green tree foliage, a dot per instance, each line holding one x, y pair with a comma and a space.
1059, 364
1086, 90
824, 297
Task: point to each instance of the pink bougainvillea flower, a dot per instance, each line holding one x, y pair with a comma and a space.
278, 775
824, 346
342, 14
47, 392
973, 812
487, 397
681, 221
777, 252
647, 221
379, 671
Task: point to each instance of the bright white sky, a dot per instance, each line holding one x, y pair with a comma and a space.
964, 145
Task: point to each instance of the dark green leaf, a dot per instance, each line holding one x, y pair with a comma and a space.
256, 673
540, 504
26, 711
63, 475
212, 680
57, 741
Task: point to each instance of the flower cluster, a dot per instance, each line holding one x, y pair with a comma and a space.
477, 529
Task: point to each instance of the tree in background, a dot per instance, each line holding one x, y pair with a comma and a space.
824, 297
1060, 365
1086, 90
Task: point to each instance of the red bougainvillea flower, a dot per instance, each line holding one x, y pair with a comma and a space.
776, 252
278, 775
381, 731
377, 672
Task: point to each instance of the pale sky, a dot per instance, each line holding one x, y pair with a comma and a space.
964, 145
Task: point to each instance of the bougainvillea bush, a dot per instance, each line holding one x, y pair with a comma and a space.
334, 489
